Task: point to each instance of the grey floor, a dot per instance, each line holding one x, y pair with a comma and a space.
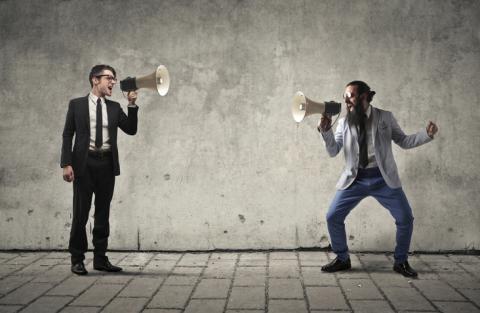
253, 282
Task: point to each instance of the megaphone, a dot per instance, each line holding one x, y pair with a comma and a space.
303, 107
158, 80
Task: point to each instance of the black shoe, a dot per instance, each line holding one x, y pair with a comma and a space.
105, 266
337, 265
405, 269
79, 269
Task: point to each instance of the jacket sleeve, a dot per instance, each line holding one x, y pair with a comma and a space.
128, 123
68, 132
334, 142
408, 141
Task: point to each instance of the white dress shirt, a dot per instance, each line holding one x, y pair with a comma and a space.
92, 110
371, 150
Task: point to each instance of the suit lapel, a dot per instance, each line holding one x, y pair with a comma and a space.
374, 124
110, 117
86, 112
353, 135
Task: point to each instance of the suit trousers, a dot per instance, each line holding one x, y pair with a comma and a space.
99, 180
369, 182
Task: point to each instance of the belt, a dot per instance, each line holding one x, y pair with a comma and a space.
100, 154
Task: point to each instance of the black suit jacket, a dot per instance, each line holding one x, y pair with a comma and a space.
78, 123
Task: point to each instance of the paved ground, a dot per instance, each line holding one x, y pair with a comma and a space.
271, 282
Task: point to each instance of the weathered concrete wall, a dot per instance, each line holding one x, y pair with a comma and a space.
219, 162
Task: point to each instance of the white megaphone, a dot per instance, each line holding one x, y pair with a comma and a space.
158, 81
303, 107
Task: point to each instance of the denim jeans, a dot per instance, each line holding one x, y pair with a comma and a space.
369, 182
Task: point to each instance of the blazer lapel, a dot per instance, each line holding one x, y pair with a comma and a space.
110, 117
353, 135
86, 112
374, 124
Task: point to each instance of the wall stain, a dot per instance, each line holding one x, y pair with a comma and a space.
297, 241
3, 173
29, 212
9, 219
138, 239
166, 176
241, 218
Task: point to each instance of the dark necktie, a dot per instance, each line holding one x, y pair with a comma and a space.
98, 136
362, 142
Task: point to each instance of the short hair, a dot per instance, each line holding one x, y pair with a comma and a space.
362, 88
97, 70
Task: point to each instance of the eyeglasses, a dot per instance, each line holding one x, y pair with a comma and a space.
109, 78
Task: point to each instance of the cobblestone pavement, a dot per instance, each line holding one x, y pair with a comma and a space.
243, 282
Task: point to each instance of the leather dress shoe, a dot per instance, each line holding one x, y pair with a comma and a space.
106, 266
405, 269
337, 265
79, 269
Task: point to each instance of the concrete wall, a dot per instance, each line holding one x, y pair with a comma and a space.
219, 162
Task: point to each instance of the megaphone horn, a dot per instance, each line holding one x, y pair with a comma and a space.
303, 107
158, 80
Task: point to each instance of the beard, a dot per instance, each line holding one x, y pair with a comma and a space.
357, 116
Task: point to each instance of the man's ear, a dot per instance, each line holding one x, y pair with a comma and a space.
363, 97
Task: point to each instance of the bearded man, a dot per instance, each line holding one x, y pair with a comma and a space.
366, 136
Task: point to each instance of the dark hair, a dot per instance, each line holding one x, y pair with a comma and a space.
97, 70
362, 88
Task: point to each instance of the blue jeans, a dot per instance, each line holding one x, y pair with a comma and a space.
369, 182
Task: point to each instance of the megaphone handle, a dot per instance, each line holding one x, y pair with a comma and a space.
335, 121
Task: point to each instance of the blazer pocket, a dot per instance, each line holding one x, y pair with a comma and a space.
382, 125
384, 130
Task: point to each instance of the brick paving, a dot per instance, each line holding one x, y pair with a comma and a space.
237, 282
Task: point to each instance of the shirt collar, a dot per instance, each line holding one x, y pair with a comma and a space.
94, 98
369, 111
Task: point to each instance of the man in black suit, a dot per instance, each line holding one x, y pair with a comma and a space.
93, 163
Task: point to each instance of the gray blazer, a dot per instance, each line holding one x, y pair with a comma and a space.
384, 129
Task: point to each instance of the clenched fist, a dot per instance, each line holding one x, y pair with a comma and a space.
432, 129
325, 123
68, 174
132, 97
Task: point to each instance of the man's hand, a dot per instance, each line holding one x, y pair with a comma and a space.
325, 123
432, 129
132, 97
68, 174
